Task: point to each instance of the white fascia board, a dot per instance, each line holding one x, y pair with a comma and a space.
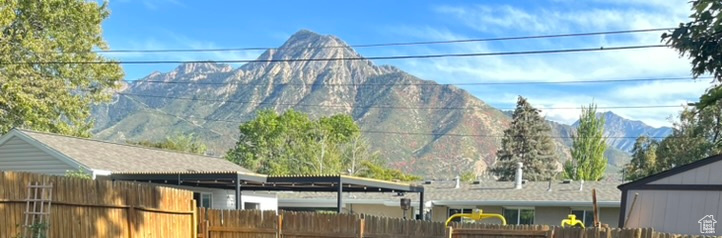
524, 203
310, 202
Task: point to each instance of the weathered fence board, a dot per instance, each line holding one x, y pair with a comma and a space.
97, 208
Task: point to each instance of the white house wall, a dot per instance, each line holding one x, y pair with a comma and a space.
708, 174
225, 198
18, 155
672, 211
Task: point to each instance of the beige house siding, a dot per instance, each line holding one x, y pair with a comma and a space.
672, 211
542, 215
19, 155
708, 174
439, 213
380, 210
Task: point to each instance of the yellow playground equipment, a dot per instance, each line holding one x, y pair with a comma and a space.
477, 215
572, 221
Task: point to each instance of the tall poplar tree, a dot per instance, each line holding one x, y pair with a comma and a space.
588, 146
527, 140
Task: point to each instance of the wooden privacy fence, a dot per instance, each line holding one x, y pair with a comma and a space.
93, 208
244, 223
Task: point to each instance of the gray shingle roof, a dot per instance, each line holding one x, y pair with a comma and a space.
493, 191
117, 158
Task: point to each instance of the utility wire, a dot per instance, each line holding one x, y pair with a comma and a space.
180, 117
393, 57
387, 44
428, 84
385, 107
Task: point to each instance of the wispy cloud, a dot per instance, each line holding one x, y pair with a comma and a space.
504, 20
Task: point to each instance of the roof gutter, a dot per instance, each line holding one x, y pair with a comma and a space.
307, 202
524, 203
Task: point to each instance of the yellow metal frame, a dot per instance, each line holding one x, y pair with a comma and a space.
476, 216
572, 221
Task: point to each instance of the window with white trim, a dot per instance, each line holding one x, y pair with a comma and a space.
586, 216
518, 216
203, 199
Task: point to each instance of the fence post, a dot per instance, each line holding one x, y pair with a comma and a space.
361, 227
449, 232
194, 228
279, 226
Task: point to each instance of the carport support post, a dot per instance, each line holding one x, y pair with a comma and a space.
238, 193
421, 206
339, 197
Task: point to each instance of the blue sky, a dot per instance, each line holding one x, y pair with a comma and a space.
170, 24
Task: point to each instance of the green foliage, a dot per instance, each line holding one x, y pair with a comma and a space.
376, 171
52, 97
697, 135
468, 176
292, 143
699, 40
79, 173
588, 147
527, 140
179, 142
38, 230
644, 159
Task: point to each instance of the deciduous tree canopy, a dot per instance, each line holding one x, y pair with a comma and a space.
39, 90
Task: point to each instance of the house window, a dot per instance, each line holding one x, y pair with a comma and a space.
203, 199
587, 217
518, 216
251, 206
453, 211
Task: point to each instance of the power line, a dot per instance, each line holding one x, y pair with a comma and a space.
388, 44
387, 107
431, 84
394, 57
418, 133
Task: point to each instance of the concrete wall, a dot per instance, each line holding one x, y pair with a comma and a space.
18, 155
673, 211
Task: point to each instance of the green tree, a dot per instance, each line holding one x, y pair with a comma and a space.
644, 159
53, 97
179, 142
292, 143
696, 135
468, 176
699, 40
79, 173
527, 140
374, 170
588, 146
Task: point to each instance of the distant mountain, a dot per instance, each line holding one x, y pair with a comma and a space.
406, 118
624, 132
210, 100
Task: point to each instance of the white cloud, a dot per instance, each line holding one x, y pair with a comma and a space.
614, 15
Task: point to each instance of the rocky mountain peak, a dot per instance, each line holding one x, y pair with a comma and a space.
202, 67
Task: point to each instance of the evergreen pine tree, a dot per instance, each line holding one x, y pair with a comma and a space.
527, 140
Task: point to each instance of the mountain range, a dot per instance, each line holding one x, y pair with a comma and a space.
418, 125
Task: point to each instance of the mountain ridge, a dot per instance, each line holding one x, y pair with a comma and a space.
210, 100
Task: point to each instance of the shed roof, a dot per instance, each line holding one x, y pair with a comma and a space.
667, 173
123, 158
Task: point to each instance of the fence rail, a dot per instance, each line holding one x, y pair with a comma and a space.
90, 208
96, 208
